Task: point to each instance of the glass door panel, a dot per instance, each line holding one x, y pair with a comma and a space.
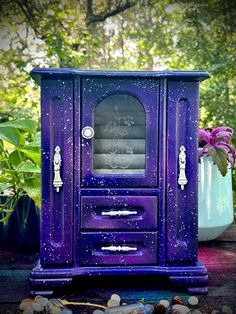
119, 144
119, 132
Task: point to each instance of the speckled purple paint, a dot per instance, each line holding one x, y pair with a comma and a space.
161, 238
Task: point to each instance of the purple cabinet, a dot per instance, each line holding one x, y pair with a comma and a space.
119, 176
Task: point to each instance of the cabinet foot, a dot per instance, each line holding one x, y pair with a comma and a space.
197, 290
194, 284
43, 282
43, 293
46, 280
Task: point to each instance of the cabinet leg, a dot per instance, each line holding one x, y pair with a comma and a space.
194, 284
44, 282
44, 293
197, 290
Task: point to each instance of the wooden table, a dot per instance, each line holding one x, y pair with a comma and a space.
219, 256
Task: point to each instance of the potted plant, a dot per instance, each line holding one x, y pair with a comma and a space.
19, 183
217, 156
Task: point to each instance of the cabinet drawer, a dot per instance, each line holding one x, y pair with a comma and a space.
119, 212
118, 248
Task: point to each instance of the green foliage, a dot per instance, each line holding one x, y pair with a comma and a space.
151, 35
19, 164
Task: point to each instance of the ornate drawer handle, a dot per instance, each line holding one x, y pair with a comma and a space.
119, 213
182, 180
57, 182
118, 248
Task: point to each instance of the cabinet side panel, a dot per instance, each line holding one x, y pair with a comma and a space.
182, 129
57, 207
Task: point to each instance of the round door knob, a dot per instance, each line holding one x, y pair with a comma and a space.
87, 132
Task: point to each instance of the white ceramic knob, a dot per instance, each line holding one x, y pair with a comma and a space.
87, 132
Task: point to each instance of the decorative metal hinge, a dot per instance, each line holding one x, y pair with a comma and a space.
182, 180
119, 213
119, 248
57, 182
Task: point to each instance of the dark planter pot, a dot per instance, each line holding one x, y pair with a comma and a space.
22, 231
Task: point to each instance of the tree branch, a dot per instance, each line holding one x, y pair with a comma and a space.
94, 18
28, 14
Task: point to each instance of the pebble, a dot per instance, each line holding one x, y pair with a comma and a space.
67, 311
149, 308
115, 297
181, 308
97, 312
37, 307
214, 312
177, 300
113, 303
159, 309
28, 310
25, 304
196, 312
164, 302
42, 301
38, 297
174, 312
54, 306
226, 309
193, 300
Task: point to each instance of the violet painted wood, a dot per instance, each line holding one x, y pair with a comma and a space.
182, 205
57, 208
39, 73
119, 212
119, 248
162, 238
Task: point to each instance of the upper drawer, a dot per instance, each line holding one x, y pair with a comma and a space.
119, 212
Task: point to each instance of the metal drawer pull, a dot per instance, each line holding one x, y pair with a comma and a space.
57, 182
119, 213
118, 248
182, 180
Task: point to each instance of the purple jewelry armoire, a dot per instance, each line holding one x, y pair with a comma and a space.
119, 176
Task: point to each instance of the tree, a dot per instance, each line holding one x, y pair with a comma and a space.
141, 34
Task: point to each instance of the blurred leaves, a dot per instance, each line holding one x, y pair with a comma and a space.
10, 134
152, 35
23, 124
19, 164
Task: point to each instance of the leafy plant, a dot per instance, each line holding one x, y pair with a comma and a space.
19, 164
215, 142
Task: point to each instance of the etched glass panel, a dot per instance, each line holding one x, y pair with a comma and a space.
120, 136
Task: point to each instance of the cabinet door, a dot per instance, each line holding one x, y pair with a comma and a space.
123, 115
182, 130
57, 206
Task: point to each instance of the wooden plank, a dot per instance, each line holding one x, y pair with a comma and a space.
14, 285
219, 256
229, 235
16, 260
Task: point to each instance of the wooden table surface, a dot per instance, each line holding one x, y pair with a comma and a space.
219, 256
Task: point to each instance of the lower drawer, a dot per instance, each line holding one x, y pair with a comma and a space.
118, 248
